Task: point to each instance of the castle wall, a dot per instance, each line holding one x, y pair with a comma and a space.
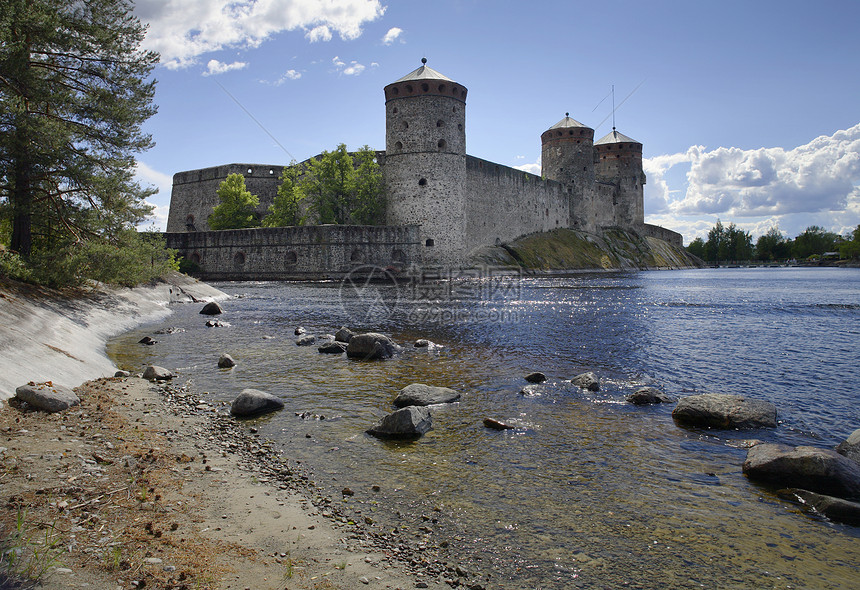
194, 192
661, 233
503, 203
302, 252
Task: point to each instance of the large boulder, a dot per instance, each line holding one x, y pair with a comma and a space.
344, 335
719, 410
156, 373
332, 347
408, 422
370, 346
836, 509
536, 377
47, 396
587, 381
819, 470
850, 447
211, 308
647, 395
253, 402
419, 394
306, 340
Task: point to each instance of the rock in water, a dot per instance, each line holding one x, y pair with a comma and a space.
253, 402
47, 396
647, 395
536, 377
156, 373
344, 335
422, 343
586, 381
299, 331
836, 509
122, 374
306, 340
419, 394
850, 447
819, 470
147, 340
496, 425
370, 346
408, 422
332, 347
719, 410
211, 308
225, 361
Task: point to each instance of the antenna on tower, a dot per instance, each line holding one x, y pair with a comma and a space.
614, 107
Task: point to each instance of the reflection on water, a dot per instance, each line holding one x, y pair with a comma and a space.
587, 491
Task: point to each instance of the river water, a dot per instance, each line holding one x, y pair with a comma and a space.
588, 490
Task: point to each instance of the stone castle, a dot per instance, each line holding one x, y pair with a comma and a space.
452, 202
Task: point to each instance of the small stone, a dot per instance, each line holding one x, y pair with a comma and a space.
147, 340
211, 308
347, 492
496, 425
299, 331
152, 560
422, 343
364, 580
306, 340
536, 377
225, 361
122, 374
156, 373
587, 381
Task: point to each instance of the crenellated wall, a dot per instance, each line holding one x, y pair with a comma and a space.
312, 251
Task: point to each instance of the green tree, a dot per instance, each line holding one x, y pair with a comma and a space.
74, 93
697, 248
814, 240
716, 247
237, 207
368, 201
851, 248
287, 208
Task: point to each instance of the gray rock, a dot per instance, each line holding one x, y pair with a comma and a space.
332, 347
370, 346
156, 373
306, 340
423, 343
818, 470
536, 377
299, 331
147, 340
419, 394
47, 396
648, 395
211, 308
216, 324
586, 381
836, 509
225, 361
344, 335
408, 422
253, 402
122, 374
718, 410
850, 447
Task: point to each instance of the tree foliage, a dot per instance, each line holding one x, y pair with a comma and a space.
727, 243
74, 94
336, 187
772, 246
851, 248
814, 240
237, 207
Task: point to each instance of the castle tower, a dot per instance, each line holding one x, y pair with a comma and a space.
425, 160
620, 163
567, 156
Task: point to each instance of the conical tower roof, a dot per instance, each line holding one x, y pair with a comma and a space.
614, 137
568, 122
424, 73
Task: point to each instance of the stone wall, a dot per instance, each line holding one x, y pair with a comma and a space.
661, 233
303, 252
504, 203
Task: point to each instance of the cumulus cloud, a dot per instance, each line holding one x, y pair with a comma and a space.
183, 30
531, 168
392, 35
215, 67
148, 176
353, 68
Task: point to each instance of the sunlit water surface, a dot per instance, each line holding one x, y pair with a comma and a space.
587, 491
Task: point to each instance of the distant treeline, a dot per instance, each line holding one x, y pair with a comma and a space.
731, 243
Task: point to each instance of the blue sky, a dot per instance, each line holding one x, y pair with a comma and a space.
749, 111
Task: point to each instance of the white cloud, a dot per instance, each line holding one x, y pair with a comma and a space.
531, 168
215, 67
816, 183
148, 176
352, 69
392, 35
183, 30
288, 75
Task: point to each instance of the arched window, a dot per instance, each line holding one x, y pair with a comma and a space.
429, 243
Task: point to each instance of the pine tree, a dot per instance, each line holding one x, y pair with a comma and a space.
74, 93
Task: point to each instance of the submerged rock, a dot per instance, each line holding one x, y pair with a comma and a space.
536, 377
147, 340
216, 324
818, 470
299, 331
647, 395
344, 335
332, 347
306, 340
47, 396
419, 394
719, 410
253, 402
370, 346
586, 381
225, 361
156, 373
423, 343
211, 308
496, 425
835, 509
405, 423
850, 447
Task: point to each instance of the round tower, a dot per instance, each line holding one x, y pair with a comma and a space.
567, 156
619, 162
425, 160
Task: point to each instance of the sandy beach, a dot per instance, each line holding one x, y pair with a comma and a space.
144, 485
